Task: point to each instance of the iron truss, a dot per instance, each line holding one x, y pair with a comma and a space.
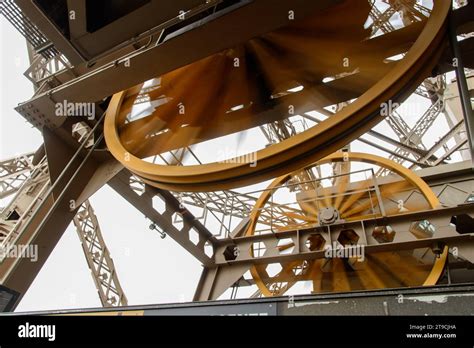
209, 224
26, 185
98, 257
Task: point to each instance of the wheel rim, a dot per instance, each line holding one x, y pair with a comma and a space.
380, 270
298, 150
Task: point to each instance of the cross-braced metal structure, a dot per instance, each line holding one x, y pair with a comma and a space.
14, 172
157, 99
98, 257
26, 184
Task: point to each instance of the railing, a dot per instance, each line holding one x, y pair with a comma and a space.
27, 28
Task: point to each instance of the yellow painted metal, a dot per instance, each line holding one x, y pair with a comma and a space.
367, 275
288, 155
394, 167
438, 268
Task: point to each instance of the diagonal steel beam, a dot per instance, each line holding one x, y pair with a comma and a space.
98, 257
164, 219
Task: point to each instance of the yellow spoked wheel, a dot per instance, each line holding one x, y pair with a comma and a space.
294, 203
332, 56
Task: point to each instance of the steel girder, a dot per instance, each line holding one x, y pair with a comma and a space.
453, 187
98, 257
142, 199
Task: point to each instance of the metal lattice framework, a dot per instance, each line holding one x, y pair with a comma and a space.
212, 222
98, 257
26, 198
10, 10
13, 173
28, 184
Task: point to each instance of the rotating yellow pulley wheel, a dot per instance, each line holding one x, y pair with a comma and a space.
295, 202
202, 126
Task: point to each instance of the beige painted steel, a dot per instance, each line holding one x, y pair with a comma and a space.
98, 257
454, 113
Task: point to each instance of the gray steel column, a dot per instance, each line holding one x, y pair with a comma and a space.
462, 86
